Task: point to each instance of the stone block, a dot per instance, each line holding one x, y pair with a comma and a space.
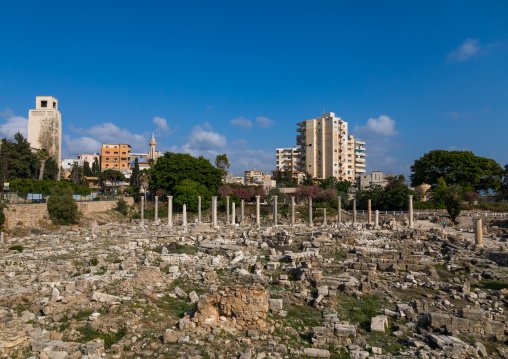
274, 305
379, 324
316, 353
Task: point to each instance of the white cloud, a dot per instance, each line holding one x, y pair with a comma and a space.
200, 141
381, 126
241, 142
12, 124
264, 122
81, 145
161, 123
241, 121
207, 126
468, 49
110, 133
244, 160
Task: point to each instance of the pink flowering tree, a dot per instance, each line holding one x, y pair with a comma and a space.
472, 197
304, 192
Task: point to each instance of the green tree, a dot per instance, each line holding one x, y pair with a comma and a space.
77, 176
21, 162
42, 156
187, 193
112, 176
2, 217
330, 182
50, 170
134, 180
452, 203
503, 190
222, 164
457, 167
307, 181
96, 168
171, 169
343, 186
87, 171
62, 207
376, 195
275, 192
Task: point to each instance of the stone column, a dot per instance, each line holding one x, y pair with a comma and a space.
184, 216
227, 209
324, 217
142, 209
369, 211
310, 211
411, 225
214, 211
170, 211
354, 211
376, 220
292, 211
233, 213
258, 213
478, 234
242, 212
199, 209
1, 237
339, 210
274, 198
156, 208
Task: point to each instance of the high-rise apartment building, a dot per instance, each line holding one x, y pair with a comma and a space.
328, 151
288, 159
45, 126
115, 156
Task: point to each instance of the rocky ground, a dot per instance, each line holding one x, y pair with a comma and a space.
122, 289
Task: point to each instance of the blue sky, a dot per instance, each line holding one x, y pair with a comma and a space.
236, 76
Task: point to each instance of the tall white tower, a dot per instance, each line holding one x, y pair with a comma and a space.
45, 126
151, 154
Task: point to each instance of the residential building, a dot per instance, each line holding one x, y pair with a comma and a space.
230, 178
356, 157
376, 178
89, 158
256, 177
45, 126
324, 146
67, 163
288, 159
115, 156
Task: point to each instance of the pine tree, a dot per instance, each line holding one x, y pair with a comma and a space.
86, 169
134, 180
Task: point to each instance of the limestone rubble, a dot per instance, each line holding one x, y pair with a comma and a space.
129, 290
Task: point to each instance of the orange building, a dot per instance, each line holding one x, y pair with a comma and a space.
115, 156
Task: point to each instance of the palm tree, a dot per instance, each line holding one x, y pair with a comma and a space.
42, 155
144, 181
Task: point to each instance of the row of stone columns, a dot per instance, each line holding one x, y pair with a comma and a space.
275, 217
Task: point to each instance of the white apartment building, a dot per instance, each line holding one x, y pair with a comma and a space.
328, 151
288, 159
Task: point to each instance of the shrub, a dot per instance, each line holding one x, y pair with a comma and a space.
2, 217
16, 248
452, 203
122, 207
62, 208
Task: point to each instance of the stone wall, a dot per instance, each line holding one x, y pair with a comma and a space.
29, 215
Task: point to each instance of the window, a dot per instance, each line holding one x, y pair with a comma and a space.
54, 105
107, 159
44, 103
116, 153
124, 153
107, 152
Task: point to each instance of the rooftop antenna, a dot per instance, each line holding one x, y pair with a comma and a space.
323, 110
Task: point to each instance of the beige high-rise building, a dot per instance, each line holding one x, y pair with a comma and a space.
328, 151
45, 126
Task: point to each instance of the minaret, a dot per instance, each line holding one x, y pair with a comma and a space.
151, 154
